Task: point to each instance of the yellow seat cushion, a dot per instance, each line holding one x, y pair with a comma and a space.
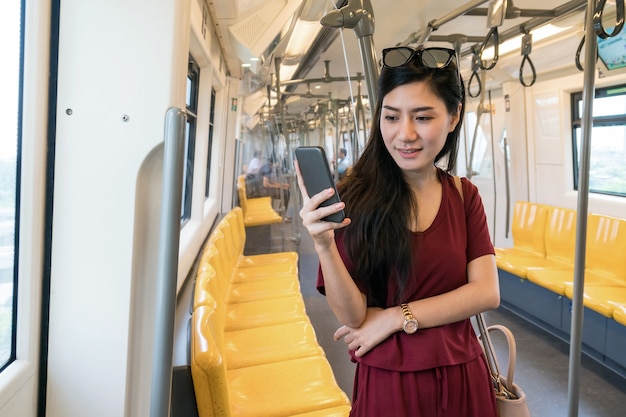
257, 211
527, 231
284, 388
520, 265
265, 272
255, 346
264, 313
619, 314
274, 288
601, 299
553, 279
238, 237
594, 278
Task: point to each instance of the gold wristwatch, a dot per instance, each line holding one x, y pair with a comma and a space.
410, 325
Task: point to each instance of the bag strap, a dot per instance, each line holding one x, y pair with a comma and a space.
459, 186
492, 360
512, 352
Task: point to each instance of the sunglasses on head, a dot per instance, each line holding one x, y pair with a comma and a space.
431, 58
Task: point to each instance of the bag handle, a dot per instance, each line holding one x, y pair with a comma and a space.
505, 388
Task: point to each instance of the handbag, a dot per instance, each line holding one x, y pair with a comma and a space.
510, 398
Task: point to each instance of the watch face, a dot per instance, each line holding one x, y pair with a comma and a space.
410, 326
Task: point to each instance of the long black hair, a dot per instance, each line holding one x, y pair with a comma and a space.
378, 198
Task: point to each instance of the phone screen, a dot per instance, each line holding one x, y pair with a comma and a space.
316, 175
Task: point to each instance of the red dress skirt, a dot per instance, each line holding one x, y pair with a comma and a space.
448, 391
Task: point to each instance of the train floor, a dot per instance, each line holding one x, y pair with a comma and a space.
542, 359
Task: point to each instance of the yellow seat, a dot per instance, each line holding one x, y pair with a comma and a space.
605, 235
606, 249
263, 344
274, 288
238, 235
246, 315
255, 346
553, 279
257, 211
601, 299
242, 287
264, 313
527, 231
619, 314
560, 239
286, 388
229, 258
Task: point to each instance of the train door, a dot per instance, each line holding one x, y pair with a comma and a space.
486, 156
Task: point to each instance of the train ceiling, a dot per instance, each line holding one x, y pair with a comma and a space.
262, 29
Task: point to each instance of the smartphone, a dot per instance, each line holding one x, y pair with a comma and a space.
317, 177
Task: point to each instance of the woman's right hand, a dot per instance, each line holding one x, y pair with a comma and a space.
311, 213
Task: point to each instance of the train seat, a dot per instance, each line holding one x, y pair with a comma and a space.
262, 344
601, 299
606, 250
553, 279
264, 313
231, 257
238, 287
290, 387
527, 231
249, 314
560, 239
605, 235
257, 211
238, 230
619, 314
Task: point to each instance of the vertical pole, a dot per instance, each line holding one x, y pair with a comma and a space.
581, 220
359, 15
173, 162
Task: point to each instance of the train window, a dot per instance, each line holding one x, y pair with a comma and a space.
607, 168
208, 157
10, 132
193, 84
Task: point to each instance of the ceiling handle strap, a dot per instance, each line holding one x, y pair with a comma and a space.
475, 68
619, 19
493, 34
527, 43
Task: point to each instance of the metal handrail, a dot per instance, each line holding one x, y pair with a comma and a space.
167, 272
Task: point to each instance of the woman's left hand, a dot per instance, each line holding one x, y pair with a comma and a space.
374, 330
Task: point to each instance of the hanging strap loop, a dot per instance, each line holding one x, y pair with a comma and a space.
493, 34
527, 41
475, 68
619, 19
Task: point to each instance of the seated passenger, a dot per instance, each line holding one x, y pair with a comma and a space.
343, 163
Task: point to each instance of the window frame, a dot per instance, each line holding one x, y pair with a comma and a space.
207, 185
576, 99
193, 77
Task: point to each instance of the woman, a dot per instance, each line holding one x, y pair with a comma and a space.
413, 260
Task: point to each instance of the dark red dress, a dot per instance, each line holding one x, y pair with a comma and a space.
440, 371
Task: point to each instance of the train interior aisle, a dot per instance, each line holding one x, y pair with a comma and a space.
542, 359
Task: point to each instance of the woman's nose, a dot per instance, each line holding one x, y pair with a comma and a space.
407, 130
